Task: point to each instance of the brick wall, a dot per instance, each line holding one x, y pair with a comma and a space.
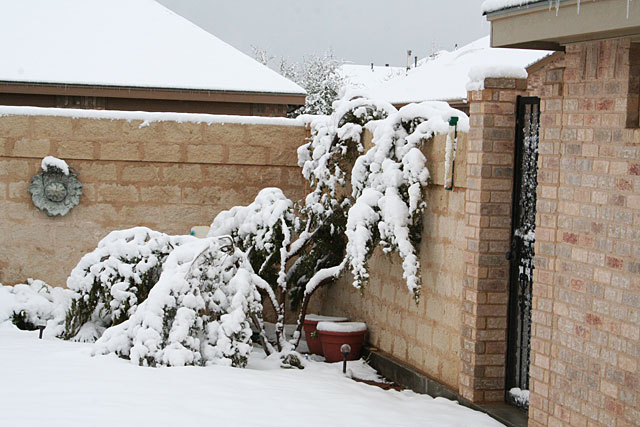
168, 176
425, 336
586, 305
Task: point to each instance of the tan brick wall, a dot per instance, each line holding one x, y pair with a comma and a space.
586, 305
425, 335
168, 176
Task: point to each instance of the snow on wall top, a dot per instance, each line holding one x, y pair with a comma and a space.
445, 77
364, 76
489, 6
148, 117
131, 43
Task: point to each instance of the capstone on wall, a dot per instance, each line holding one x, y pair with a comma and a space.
168, 176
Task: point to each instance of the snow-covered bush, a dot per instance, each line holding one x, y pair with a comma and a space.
388, 185
32, 304
112, 280
198, 312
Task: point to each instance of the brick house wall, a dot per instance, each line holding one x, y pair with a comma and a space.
586, 305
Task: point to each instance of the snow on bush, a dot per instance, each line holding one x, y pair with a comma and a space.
112, 280
32, 304
263, 230
335, 143
387, 187
197, 314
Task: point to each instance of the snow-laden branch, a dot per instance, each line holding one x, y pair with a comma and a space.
322, 276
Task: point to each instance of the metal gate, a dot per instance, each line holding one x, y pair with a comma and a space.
521, 252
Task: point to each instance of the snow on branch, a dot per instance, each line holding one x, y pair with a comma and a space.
387, 188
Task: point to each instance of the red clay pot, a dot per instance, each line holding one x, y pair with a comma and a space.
332, 341
310, 332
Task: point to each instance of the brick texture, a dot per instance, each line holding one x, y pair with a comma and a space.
488, 228
586, 304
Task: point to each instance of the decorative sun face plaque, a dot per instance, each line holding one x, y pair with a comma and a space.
54, 191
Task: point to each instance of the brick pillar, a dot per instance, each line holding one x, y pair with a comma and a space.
488, 205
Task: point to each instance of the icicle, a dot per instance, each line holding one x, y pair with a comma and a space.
557, 7
578, 7
628, 4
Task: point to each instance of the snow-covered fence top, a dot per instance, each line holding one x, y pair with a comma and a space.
147, 117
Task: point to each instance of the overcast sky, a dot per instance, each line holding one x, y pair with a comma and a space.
359, 31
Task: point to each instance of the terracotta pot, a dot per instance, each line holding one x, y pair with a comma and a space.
311, 334
332, 341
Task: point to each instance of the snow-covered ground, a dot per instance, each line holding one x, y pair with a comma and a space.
58, 383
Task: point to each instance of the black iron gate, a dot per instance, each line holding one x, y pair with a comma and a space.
521, 252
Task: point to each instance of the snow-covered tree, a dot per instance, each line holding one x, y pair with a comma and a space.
112, 280
317, 74
298, 247
198, 312
199, 308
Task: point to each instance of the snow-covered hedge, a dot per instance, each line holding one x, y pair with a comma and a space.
112, 280
197, 314
32, 304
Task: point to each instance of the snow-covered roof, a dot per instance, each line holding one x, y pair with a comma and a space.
445, 77
129, 43
489, 6
366, 76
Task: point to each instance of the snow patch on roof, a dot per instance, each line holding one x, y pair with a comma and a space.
445, 77
130, 43
147, 117
365, 76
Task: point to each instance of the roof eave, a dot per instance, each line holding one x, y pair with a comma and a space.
175, 94
536, 26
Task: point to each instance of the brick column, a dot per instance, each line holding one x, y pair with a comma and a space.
488, 205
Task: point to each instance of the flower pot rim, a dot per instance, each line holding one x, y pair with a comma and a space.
341, 328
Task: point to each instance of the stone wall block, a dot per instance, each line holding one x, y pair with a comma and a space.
27, 147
